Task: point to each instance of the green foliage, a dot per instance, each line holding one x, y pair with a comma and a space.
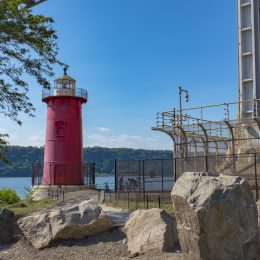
9, 196
27, 48
105, 157
22, 158
29, 194
3, 148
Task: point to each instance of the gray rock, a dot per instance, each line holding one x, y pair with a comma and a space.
65, 222
151, 229
216, 217
258, 211
6, 226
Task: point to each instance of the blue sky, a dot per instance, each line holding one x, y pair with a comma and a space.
131, 56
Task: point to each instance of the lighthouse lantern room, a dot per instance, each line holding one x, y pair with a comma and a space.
63, 152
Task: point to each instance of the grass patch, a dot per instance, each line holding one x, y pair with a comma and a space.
26, 207
139, 203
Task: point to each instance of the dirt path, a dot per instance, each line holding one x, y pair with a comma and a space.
118, 217
104, 246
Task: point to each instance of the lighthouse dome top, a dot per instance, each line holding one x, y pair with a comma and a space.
64, 86
65, 81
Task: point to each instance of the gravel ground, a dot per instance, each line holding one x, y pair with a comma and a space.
106, 246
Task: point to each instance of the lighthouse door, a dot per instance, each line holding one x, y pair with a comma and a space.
59, 176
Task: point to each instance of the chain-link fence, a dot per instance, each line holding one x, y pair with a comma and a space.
244, 165
159, 175
152, 175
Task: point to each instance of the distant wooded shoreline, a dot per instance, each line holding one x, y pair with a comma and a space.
22, 158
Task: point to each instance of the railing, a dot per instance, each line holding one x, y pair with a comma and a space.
149, 175
136, 200
62, 173
108, 186
57, 194
77, 92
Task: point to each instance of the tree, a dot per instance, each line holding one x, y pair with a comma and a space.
27, 47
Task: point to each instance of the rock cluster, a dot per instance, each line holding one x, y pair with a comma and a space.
151, 229
65, 222
6, 226
216, 217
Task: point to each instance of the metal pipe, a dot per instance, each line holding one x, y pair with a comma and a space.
180, 108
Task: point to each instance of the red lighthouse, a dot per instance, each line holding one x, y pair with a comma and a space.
63, 153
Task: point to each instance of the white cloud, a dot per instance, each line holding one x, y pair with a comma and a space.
103, 129
129, 141
19, 136
36, 140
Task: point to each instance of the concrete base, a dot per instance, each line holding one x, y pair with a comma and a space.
43, 191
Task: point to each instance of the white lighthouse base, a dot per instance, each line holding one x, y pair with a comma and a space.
40, 192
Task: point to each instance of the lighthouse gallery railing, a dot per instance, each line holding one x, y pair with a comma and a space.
77, 92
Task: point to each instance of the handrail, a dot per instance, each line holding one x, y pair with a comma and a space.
216, 105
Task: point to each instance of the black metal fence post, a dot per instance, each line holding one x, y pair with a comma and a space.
162, 175
206, 163
94, 174
139, 176
115, 175
50, 174
159, 202
147, 202
143, 179
33, 169
38, 177
175, 169
136, 200
128, 200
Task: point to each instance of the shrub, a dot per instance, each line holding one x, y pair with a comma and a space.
9, 196
28, 194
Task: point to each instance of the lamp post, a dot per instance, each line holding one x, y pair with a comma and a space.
181, 90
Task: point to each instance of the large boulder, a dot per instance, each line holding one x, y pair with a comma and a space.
64, 222
151, 229
216, 217
6, 226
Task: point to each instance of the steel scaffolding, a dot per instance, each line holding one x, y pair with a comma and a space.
196, 136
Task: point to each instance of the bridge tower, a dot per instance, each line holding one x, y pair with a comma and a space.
248, 58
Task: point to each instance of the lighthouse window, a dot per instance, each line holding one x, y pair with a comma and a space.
60, 128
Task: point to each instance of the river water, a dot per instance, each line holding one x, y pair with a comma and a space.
19, 184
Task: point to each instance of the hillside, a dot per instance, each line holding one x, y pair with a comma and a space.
22, 158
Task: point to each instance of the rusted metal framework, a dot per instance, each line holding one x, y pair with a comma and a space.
196, 136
